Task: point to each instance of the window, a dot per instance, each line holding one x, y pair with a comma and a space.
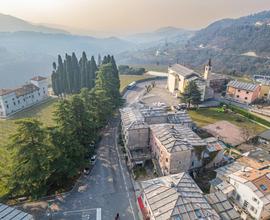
245, 98
254, 199
7, 106
239, 90
238, 197
263, 187
245, 205
192, 164
265, 94
237, 96
19, 101
198, 213
167, 160
14, 103
247, 92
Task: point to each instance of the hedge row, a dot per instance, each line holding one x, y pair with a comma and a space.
248, 115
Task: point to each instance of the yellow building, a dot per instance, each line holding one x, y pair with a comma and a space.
179, 76
265, 91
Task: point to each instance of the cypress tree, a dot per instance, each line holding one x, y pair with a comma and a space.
83, 70
93, 70
61, 79
69, 74
76, 73
99, 60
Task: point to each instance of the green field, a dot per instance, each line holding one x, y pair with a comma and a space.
127, 79
205, 116
42, 112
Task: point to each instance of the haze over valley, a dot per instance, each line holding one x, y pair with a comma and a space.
27, 49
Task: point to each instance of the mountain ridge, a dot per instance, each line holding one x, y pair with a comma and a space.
9, 23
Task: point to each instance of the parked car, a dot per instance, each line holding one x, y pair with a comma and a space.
86, 171
181, 106
93, 159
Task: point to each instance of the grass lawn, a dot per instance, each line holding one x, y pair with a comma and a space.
42, 112
205, 116
127, 79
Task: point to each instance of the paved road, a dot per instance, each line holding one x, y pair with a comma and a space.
134, 95
109, 189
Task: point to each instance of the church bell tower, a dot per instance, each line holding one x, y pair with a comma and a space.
208, 70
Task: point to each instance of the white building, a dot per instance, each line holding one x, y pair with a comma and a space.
248, 188
14, 100
179, 76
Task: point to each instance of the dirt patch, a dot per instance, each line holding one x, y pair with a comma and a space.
227, 132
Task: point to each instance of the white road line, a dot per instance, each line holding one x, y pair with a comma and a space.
124, 178
98, 214
79, 210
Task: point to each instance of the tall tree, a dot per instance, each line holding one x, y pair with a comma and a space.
69, 74
191, 94
99, 60
83, 70
32, 159
93, 70
76, 74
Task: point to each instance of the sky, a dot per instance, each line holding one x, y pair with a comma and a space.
130, 16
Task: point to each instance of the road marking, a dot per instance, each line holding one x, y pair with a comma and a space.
122, 171
79, 210
98, 214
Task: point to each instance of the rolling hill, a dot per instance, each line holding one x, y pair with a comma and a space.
9, 23
236, 46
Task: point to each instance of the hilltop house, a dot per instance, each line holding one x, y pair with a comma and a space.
242, 92
14, 100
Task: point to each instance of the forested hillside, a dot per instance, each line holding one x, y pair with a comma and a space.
236, 46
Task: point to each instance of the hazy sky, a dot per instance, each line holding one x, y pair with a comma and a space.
130, 15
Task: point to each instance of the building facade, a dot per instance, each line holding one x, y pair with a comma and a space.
136, 123
14, 100
208, 83
242, 92
179, 149
178, 78
247, 187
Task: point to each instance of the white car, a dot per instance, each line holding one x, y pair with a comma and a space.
93, 159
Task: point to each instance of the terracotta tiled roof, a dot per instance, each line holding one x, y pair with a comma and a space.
25, 89
38, 78
263, 183
5, 91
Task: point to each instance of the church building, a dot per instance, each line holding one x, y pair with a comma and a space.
179, 76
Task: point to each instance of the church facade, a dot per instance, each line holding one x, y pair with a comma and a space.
180, 76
